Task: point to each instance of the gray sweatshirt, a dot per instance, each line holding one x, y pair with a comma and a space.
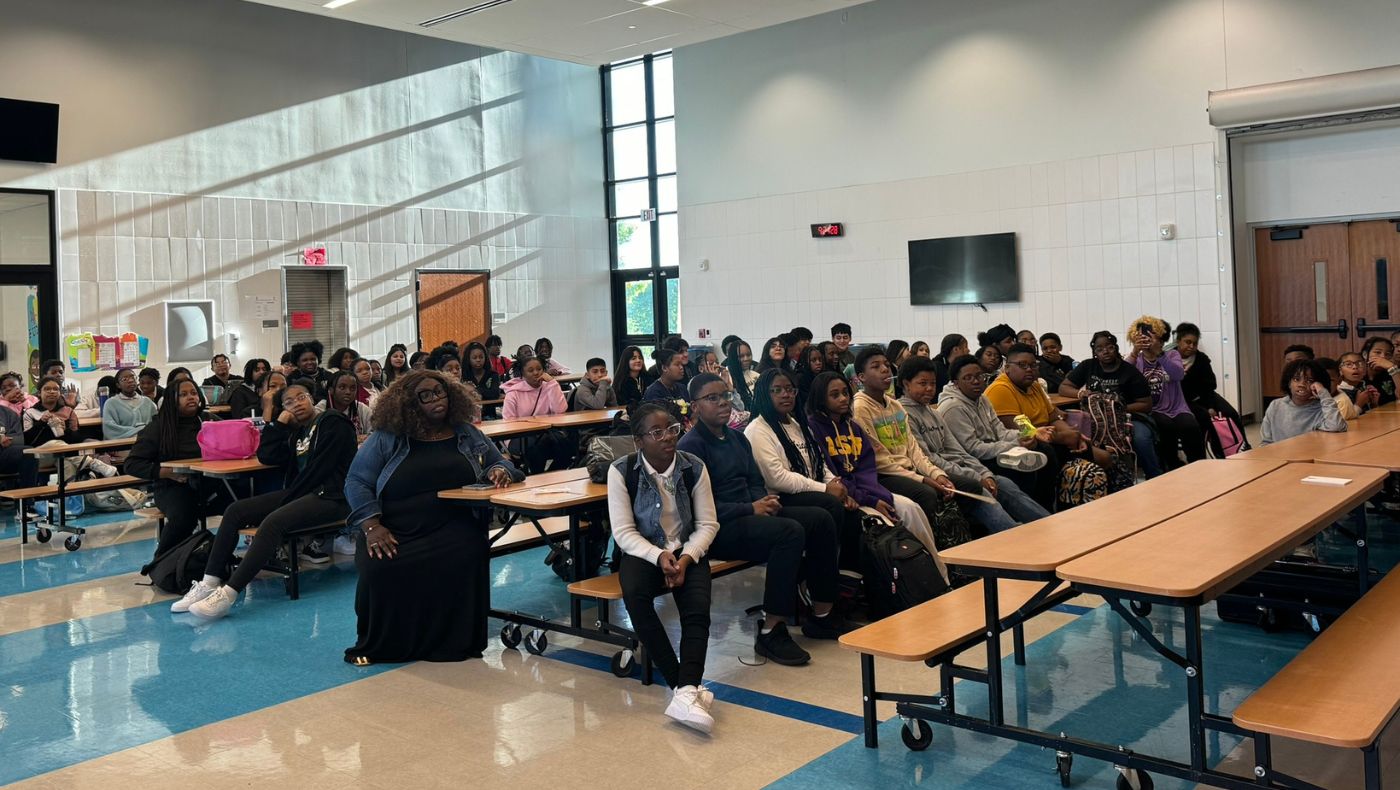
929, 427
589, 396
975, 425
1284, 419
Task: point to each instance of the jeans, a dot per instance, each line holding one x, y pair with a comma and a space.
929, 499
774, 540
641, 582
1145, 446
273, 519
1012, 507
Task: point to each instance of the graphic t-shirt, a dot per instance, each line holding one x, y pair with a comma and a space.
1126, 383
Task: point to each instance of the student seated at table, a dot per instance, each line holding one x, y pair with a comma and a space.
269, 398
850, 456
424, 589
171, 436
1164, 370
740, 411
1199, 387
222, 377
594, 390
1355, 395
951, 347
366, 390
974, 423
841, 335
738, 360
1382, 372
902, 466
341, 392
148, 381
990, 358
530, 394
445, 360
418, 360
127, 411
1002, 336
663, 519
1309, 405
313, 451
670, 384
1107, 373
544, 352
754, 525
308, 361
796, 343
53, 417
13, 461
1296, 352
83, 406
809, 367
895, 354
341, 358
478, 372
396, 363
12, 394
631, 377
1027, 338
1054, 365
242, 396
1012, 505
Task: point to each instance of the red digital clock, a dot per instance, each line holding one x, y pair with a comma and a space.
828, 230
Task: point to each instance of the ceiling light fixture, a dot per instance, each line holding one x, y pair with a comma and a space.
461, 13
337, 3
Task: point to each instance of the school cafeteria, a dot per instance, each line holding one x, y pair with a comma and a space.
699, 394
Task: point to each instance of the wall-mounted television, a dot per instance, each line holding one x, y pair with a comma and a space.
28, 131
964, 270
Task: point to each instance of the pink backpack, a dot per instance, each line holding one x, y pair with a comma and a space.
228, 440
1231, 440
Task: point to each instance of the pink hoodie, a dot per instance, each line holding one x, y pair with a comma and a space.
522, 400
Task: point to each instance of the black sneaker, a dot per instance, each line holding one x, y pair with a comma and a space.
777, 646
829, 627
314, 556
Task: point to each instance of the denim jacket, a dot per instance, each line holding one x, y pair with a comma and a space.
646, 505
382, 453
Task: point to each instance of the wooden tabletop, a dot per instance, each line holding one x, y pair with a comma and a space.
504, 429
220, 408
1060, 401
218, 468
1317, 444
553, 497
575, 419
1042, 546
569, 378
1382, 452
82, 447
89, 422
493, 402
533, 481
1211, 548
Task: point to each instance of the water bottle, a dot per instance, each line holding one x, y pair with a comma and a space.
102, 395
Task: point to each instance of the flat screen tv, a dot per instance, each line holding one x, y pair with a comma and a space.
28, 131
964, 270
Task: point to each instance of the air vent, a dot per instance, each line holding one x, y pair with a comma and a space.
489, 4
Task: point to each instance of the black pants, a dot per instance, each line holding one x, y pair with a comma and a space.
774, 540
1182, 428
273, 519
183, 504
828, 527
555, 445
1224, 409
641, 583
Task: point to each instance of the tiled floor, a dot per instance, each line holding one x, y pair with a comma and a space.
100, 686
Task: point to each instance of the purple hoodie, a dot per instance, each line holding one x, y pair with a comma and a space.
844, 442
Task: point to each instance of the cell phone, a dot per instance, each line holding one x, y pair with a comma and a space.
1145, 328
479, 486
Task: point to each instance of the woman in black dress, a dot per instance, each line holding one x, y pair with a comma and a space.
424, 590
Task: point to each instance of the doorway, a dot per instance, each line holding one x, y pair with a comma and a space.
1327, 286
452, 305
649, 309
28, 281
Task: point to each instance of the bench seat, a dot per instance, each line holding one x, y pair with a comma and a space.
609, 588
80, 487
1342, 689
937, 626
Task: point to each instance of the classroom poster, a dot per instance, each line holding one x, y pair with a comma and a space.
81, 351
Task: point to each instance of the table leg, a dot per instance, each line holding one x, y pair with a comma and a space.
995, 708
1195, 687
62, 508
867, 689
1363, 555
575, 568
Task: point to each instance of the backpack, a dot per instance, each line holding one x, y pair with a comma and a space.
1230, 436
228, 440
1080, 481
176, 568
898, 570
603, 451
1111, 428
950, 527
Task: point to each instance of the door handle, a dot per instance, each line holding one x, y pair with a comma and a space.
1342, 327
1361, 326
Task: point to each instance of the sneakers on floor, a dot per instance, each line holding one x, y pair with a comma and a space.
197, 592
1022, 459
688, 708
314, 555
98, 466
829, 627
777, 646
344, 544
216, 605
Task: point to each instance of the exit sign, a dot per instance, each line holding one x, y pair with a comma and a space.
828, 230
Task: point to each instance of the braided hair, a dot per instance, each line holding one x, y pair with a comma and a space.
812, 465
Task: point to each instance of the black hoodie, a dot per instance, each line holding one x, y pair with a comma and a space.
314, 457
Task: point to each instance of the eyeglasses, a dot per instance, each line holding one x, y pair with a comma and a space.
1105, 346
713, 400
428, 396
1351, 363
784, 390
1021, 365
292, 400
658, 434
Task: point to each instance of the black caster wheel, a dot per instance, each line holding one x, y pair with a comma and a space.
1064, 761
73, 543
1140, 609
622, 663
43, 535
1143, 780
917, 734
510, 636
536, 642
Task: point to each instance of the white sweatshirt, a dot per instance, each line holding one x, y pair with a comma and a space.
773, 462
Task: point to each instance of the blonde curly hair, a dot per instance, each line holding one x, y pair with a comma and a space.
1160, 328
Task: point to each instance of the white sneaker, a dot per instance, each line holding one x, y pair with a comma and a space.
687, 708
707, 697
1022, 459
216, 605
344, 544
197, 592
100, 466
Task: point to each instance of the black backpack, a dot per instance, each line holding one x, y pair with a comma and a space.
899, 571
179, 566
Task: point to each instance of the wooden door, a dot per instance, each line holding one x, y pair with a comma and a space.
453, 305
1375, 278
1304, 295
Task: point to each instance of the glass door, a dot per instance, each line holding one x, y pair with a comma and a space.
28, 282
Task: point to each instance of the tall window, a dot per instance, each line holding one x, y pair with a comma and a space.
639, 156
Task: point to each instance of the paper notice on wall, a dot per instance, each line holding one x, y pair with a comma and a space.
81, 351
106, 352
131, 352
303, 320
264, 307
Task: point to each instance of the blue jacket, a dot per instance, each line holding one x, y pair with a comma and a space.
382, 453
735, 478
646, 505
